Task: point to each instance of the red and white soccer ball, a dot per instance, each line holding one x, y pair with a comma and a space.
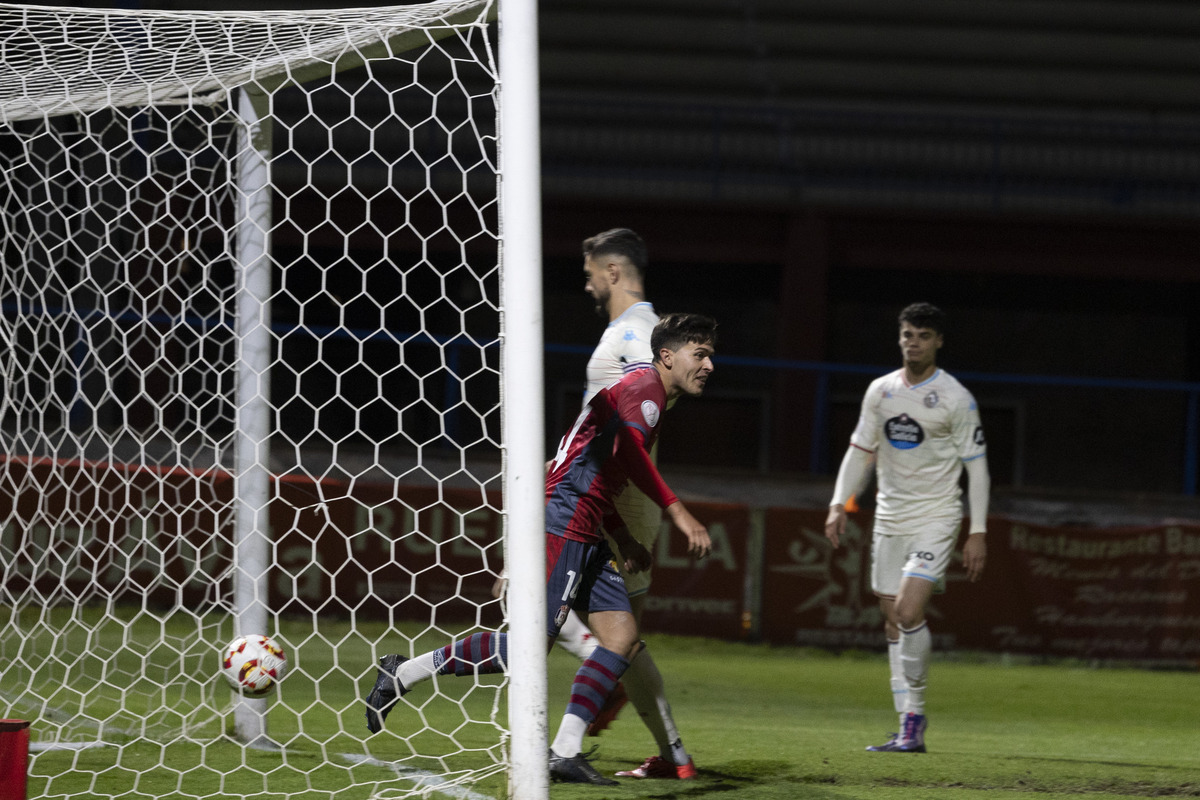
253, 664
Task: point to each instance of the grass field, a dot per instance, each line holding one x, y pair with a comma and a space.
782, 723
760, 722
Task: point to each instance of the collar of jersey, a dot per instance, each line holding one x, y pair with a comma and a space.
930, 379
631, 308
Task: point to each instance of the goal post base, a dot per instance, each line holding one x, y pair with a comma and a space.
14, 758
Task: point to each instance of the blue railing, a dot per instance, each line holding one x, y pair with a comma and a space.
822, 371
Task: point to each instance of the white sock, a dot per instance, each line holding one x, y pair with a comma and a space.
644, 686
576, 639
899, 682
916, 645
569, 739
419, 668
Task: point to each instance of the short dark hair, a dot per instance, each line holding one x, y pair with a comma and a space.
924, 315
673, 331
620, 242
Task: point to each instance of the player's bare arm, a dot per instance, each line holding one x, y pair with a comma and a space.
699, 543
975, 555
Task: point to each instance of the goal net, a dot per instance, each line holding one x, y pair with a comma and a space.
250, 343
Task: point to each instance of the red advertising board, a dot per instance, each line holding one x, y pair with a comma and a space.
706, 597
165, 536
375, 551
419, 553
1112, 593
78, 531
812, 594
82, 531
1094, 593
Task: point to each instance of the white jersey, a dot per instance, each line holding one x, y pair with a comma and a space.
624, 347
921, 436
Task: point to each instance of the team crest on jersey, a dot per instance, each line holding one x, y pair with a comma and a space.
650, 412
561, 616
903, 432
931, 399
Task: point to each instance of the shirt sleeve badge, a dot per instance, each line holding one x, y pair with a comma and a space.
650, 413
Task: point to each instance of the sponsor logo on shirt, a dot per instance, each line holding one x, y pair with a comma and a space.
903, 432
650, 412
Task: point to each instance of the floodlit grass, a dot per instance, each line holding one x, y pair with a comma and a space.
784, 723
761, 722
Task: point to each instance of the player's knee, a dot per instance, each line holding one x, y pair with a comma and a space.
629, 647
909, 618
624, 642
616, 633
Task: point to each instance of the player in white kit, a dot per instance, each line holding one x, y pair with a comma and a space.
919, 428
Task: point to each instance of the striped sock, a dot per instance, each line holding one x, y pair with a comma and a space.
594, 682
478, 654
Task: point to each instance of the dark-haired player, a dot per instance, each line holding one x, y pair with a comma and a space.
607, 447
920, 428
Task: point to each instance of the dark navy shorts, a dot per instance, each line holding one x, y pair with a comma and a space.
581, 576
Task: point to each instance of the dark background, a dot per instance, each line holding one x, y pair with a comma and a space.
803, 169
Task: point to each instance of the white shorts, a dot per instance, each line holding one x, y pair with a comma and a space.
923, 554
644, 520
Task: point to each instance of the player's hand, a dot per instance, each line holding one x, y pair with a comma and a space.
500, 586
699, 544
835, 524
975, 555
637, 557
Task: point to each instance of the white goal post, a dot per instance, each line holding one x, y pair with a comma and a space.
270, 334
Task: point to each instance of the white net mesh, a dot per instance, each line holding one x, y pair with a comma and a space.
146, 342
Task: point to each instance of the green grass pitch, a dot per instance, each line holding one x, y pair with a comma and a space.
761, 722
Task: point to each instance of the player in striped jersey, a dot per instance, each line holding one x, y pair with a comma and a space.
614, 263
606, 448
920, 428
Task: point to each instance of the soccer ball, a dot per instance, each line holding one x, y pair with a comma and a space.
253, 664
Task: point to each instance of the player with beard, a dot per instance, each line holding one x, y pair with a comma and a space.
615, 262
614, 265
606, 448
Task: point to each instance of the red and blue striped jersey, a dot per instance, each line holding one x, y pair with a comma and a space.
606, 448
